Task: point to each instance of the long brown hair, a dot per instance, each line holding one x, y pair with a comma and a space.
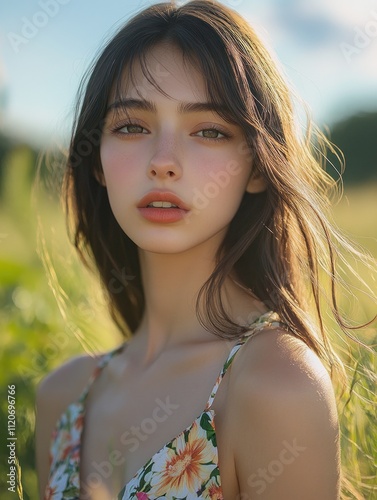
279, 241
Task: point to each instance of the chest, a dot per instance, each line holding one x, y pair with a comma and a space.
133, 419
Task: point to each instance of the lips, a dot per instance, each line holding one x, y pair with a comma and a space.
162, 196
162, 207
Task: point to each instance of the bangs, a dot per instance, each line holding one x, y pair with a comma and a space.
221, 93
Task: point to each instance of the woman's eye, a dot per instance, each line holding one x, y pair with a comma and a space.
131, 129
212, 133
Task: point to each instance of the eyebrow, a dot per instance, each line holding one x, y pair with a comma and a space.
183, 108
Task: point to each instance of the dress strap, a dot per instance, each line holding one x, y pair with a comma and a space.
270, 320
103, 361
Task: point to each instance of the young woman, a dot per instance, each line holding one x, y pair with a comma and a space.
186, 176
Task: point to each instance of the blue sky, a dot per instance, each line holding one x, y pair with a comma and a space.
328, 50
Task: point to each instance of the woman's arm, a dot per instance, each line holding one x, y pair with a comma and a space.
285, 418
55, 392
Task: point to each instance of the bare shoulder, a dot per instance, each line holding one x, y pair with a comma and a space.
55, 393
285, 414
63, 385
275, 360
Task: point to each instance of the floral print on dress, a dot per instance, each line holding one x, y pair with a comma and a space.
185, 469
64, 456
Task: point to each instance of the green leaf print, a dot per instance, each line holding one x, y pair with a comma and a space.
215, 473
171, 446
186, 435
205, 423
143, 484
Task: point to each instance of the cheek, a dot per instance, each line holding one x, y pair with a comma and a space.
116, 165
219, 189
119, 176
226, 178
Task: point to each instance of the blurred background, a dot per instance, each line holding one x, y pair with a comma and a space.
51, 311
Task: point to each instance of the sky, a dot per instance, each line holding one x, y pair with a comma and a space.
326, 49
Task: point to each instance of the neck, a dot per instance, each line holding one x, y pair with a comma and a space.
171, 284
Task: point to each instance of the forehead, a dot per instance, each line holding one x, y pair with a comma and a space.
162, 68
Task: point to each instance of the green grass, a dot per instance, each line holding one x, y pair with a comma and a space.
41, 329
357, 216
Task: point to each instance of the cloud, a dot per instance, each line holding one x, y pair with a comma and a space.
313, 24
309, 39
344, 13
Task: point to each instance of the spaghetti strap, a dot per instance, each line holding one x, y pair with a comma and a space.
267, 320
103, 361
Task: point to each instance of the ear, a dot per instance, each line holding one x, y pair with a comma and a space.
256, 183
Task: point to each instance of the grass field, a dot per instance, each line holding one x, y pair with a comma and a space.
40, 329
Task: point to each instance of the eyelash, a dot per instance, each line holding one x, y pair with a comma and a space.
217, 129
117, 131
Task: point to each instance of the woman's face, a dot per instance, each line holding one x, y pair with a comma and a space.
165, 145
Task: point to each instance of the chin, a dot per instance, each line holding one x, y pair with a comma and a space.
160, 245
162, 250
176, 240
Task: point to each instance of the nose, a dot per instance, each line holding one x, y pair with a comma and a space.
164, 163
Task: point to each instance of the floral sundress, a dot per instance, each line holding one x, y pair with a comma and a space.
186, 468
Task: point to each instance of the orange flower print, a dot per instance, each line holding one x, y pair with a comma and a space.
184, 469
79, 422
213, 491
67, 451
